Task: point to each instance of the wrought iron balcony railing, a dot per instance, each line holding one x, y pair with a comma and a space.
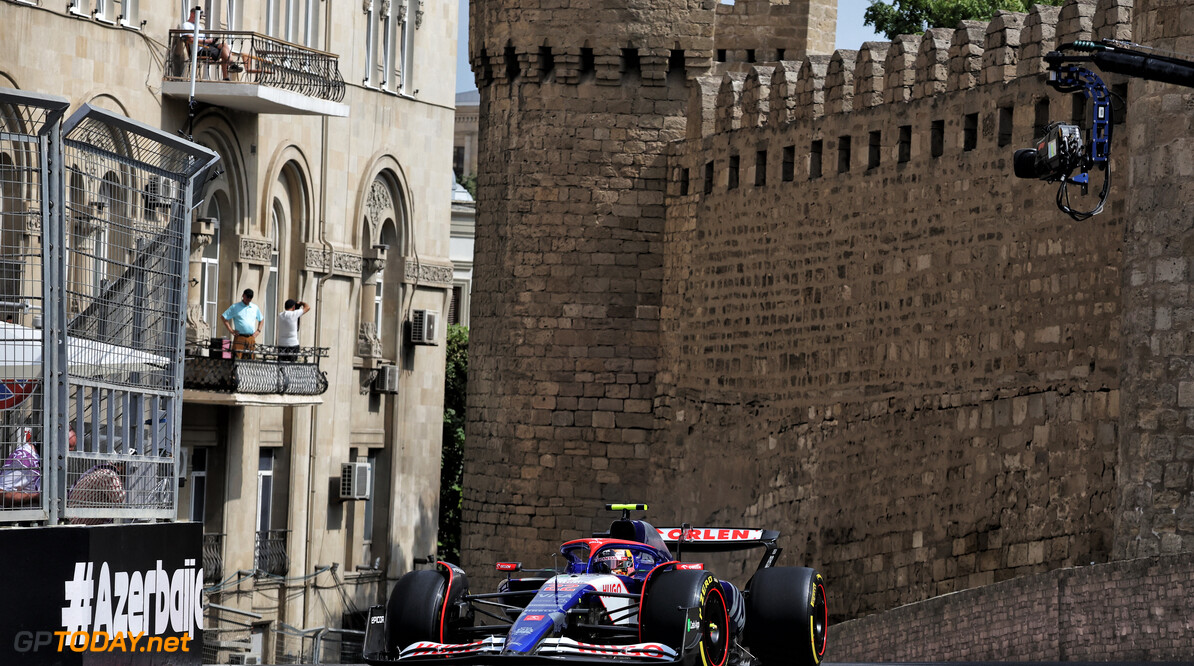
213, 558
269, 555
264, 369
249, 57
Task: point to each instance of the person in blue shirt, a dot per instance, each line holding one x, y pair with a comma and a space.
244, 320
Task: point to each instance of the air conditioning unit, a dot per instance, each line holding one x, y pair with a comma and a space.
424, 327
160, 192
386, 380
354, 481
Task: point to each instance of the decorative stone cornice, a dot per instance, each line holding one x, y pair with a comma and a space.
348, 264
256, 250
371, 268
427, 273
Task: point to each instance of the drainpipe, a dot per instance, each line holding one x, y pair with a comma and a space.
327, 250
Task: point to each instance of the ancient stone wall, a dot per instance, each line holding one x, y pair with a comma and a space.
877, 339
578, 107
1132, 610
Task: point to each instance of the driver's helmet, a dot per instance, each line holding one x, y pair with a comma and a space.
619, 561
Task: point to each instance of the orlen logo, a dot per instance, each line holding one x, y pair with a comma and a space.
710, 534
691, 566
508, 566
533, 618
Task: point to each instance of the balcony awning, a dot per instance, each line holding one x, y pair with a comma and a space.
254, 98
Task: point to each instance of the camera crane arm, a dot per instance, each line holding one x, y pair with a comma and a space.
1060, 152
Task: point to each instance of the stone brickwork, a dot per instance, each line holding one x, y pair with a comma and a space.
1133, 610
569, 263
1157, 446
868, 333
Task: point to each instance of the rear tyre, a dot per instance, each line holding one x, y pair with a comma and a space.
663, 617
787, 617
415, 611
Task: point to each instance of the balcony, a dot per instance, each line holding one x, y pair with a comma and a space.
213, 558
254, 73
266, 375
269, 554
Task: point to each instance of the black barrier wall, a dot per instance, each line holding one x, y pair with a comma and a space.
99, 596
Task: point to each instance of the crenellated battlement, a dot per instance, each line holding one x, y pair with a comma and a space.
942, 61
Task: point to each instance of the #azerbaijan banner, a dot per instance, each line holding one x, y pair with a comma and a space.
104, 595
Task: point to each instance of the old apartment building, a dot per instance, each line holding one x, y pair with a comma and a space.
315, 474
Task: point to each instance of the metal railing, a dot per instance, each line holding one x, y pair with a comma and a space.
249, 57
213, 558
264, 369
269, 552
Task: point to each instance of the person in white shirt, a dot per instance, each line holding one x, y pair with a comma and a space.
288, 323
209, 47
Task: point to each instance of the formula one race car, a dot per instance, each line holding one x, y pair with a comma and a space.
621, 597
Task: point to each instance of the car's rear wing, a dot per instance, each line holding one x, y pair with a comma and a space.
722, 540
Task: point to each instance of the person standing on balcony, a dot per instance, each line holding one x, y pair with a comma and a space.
210, 48
243, 320
288, 323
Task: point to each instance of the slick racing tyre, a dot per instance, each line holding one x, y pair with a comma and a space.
421, 608
786, 616
663, 618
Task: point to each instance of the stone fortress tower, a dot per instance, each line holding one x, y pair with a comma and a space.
578, 102
757, 282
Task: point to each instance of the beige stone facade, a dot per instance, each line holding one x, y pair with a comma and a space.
836, 312
306, 197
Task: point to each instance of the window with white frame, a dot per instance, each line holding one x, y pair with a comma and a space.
409, 23
198, 483
270, 306
79, 7
265, 489
210, 278
370, 41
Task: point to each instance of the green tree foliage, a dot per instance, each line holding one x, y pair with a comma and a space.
912, 17
452, 469
470, 183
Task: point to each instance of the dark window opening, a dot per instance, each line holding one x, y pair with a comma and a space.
970, 132
814, 159
733, 172
721, 55
843, 154
675, 65
1078, 111
875, 150
905, 145
750, 55
1040, 118
779, 54
937, 138
454, 305
588, 66
708, 177
1005, 125
458, 161
547, 61
684, 182
789, 173
512, 69
760, 168
1119, 103
630, 63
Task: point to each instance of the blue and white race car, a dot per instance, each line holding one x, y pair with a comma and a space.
621, 597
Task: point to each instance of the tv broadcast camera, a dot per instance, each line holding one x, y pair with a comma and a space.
1062, 150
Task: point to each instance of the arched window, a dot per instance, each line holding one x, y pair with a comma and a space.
270, 303
209, 290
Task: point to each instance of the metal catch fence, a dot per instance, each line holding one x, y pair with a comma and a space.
92, 288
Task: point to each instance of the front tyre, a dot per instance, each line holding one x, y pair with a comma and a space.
687, 610
786, 616
426, 606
